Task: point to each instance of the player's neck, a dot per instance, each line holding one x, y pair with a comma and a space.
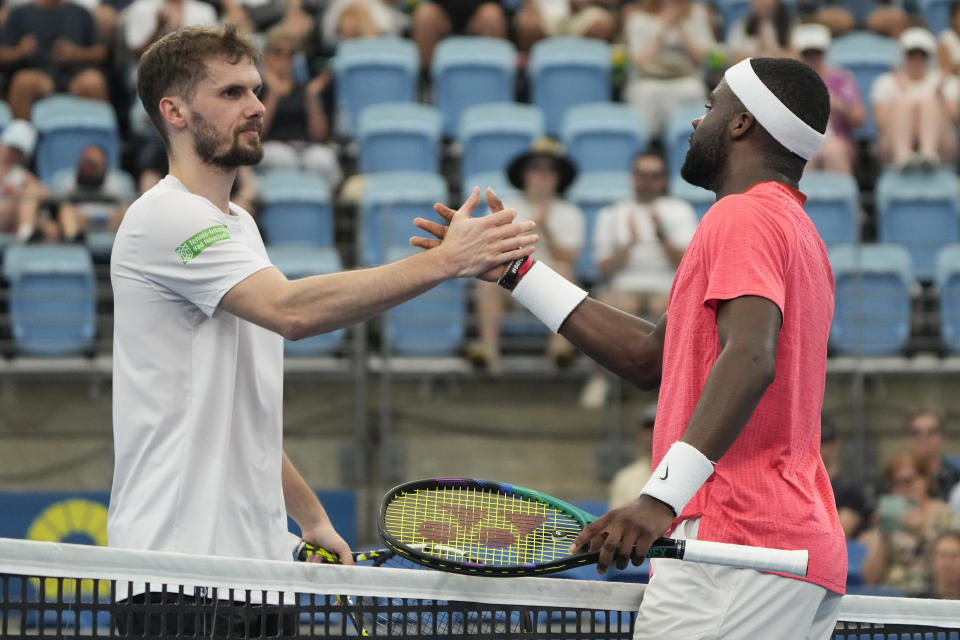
202, 179
741, 177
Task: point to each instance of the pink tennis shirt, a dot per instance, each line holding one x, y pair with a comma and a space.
770, 489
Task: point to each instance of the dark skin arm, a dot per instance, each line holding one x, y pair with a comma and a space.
748, 328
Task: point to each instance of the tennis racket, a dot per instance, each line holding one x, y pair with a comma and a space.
489, 528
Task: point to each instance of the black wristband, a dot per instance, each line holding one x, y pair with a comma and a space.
510, 277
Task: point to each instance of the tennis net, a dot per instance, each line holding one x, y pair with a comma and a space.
54, 590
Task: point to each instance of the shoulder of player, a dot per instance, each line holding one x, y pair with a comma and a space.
743, 211
166, 210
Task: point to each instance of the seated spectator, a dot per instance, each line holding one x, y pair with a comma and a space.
945, 567
543, 174
628, 481
907, 520
764, 32
839, 150
51, 46
927, 437
889, 19
93, 200
146, 21
852, 501
638, 244
948, 43
348, 19
538, 19
295, 125
916, 108
433, 21
21, 191
668, 42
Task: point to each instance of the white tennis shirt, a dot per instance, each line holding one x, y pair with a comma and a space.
197, 392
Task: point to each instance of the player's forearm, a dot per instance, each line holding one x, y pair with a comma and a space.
625, 344
301, 502
734, 388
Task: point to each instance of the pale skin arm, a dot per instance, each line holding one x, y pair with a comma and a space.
317, 304
304, 507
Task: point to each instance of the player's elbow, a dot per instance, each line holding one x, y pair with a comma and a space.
759, 366
642, 367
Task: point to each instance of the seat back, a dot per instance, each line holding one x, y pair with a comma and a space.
494, 134
297, 208
67, 124
565, 71
603, 136
399, 136
391, 201
833, 204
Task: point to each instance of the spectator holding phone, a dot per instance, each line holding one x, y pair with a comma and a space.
907, 520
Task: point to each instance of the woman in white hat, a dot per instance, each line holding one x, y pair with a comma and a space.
916, 108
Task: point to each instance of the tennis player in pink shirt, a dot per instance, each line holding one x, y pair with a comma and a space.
741, 367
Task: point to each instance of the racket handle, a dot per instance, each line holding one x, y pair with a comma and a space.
304, 550
745, 557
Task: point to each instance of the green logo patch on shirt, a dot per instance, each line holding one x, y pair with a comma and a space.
195, 244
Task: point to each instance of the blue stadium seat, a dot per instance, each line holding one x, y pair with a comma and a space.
866, 55
937, 14
297, 208
469, 70
856, 553
603, 136
920, 211
5, 115
677, 134
496, 180
399, 136
300, 261
833, 204
872, 304
494, 134
591, 192
731, 11
372, 70
948, 295
391, 200
566, 71
66, 125
432, 324
52, 298
699, 198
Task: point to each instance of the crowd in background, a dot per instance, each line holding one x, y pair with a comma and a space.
668, 51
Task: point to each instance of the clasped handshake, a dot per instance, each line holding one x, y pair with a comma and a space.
481, 247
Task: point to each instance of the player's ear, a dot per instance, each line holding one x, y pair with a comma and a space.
174, 111
740, 124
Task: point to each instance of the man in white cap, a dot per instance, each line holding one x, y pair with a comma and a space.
741, 367
839, 151
916, 108
20, 190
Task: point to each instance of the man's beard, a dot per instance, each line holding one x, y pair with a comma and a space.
705, 162
207, 141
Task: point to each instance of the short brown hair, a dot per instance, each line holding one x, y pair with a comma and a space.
176, 63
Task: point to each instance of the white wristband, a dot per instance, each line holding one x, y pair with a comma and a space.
679, 476
548, 295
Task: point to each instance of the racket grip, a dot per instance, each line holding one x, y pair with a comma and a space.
746, 557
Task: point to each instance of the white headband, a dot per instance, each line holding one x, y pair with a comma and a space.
781, 123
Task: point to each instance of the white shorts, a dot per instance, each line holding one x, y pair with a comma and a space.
696, 601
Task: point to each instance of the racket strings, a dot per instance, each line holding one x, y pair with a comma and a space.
478, 526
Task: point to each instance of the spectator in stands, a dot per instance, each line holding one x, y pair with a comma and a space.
764, 32
94, 198
926, 437
259, 15
908, 518
839, 150
916, 108
347, 19
146, 21
889, 19
852, 502
538, 19
20, 190
433, 21
295, 125
668, 42
543, 174
638, 244
626, 483
48, 46
945, 566
948, 42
